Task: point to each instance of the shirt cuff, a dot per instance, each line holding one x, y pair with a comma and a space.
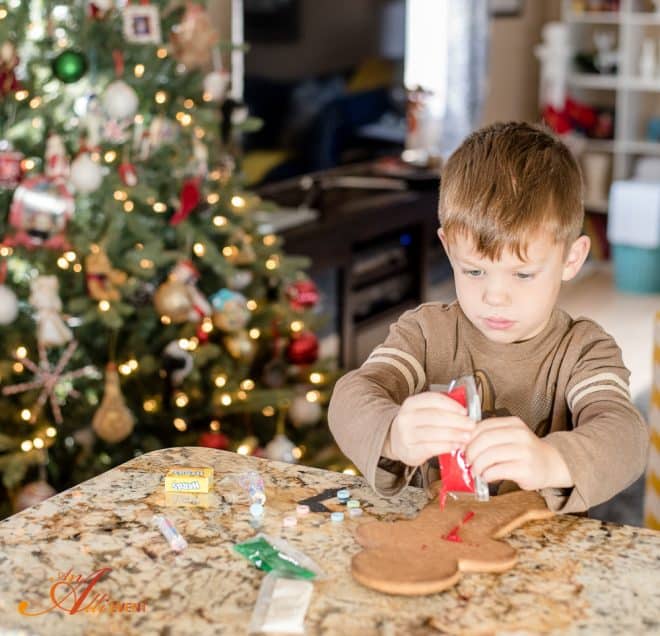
564, 500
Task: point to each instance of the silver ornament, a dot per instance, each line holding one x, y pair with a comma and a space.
304, 413
86, 174
8, 305
120, 100
215, 85
280, 449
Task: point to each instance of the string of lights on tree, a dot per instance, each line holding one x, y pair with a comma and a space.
144, 300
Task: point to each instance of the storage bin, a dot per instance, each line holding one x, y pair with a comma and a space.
633, 230
636, 269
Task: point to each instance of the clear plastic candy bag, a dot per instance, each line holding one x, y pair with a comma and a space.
281, 605
272, 554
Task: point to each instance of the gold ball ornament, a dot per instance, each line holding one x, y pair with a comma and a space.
172, 299
241, 346
32, 494
112, 422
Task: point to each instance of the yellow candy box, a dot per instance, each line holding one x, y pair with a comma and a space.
188, 479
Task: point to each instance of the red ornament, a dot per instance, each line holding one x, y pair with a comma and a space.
127, 174
303, 294
190, 198
303, 348
99, 9
558, 120
214, 440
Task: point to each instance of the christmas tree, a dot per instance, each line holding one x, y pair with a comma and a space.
144, 303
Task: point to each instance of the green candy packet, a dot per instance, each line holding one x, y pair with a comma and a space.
276, 555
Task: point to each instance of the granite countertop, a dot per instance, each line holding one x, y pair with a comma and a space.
574, 575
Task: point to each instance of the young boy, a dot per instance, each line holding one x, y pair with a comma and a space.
555, 399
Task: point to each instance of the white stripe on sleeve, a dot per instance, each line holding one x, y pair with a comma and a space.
593, 389
405, 372
410, 359
599, 377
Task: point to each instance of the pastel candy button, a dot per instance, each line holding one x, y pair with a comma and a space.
337, 517
302, 510
355, 512
352, 503
256, 510
343, 494
289, 522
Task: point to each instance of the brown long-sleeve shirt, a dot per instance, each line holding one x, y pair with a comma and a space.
568, 384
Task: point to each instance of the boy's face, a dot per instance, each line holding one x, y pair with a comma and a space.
510, 300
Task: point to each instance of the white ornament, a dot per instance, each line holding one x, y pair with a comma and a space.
86, 174
120, 100
554, 55
178, 362
185, 272
304, 413
92, 121
44, 297
215, 85
647, 59
239, 115
8, 305
280, 448
607, 57
56, 159
199, 164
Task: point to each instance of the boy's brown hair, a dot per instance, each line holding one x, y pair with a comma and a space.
506, 183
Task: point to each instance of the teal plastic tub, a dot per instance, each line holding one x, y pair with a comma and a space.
636, 269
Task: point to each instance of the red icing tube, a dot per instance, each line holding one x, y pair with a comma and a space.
454, 471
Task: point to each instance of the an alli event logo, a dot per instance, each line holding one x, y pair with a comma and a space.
73, 593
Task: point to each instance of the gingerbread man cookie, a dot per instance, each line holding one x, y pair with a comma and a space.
428, 554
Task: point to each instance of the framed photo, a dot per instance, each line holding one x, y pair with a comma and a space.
505, 8
142, 24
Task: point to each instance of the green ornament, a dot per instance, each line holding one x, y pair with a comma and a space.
69, 66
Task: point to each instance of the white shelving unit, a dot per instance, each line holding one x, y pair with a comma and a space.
634, 98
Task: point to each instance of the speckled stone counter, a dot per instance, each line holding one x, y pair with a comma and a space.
574, 575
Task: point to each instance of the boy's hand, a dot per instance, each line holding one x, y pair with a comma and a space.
505, 448
427, 424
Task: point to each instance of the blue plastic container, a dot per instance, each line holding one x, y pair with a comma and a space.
636, 269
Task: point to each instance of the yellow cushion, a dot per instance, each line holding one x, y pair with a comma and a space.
258, 163
372, 73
